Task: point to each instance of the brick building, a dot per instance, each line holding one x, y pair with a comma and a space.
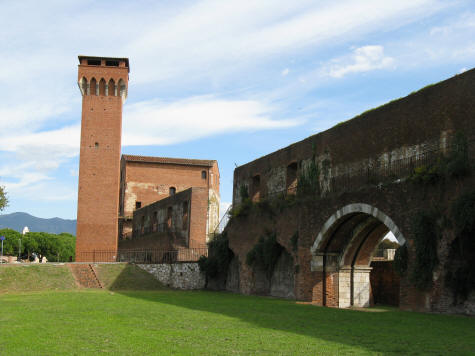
146, 180
111, 188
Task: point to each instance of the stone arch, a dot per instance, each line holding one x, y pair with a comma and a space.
343, 251
352, 209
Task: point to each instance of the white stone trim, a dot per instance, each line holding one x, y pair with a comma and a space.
357, 208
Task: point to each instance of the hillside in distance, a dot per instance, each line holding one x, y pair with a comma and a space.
17, 221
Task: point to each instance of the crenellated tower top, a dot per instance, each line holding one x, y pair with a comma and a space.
103, 76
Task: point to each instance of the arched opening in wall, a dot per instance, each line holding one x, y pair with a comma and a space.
203, 174
272, 267
92, 86
291, 178
102, 87
83, 86
111, 88
282, 279
171, 191
345, 253
256, 188
122, 89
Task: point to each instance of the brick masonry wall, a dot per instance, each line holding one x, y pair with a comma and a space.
425, 119
178, 275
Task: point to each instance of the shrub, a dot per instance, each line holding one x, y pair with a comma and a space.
219, 256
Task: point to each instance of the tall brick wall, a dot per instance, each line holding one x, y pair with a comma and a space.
345, 222
101, 124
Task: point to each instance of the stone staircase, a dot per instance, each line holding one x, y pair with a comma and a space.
85, 275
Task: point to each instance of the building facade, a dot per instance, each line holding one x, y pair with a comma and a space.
146, 180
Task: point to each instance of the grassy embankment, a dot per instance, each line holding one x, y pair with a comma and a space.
81, 322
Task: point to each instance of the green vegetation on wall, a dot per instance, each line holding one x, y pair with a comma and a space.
308, 181
219, 256
462, 279
265, 253
455, 165
426, 232
400, 260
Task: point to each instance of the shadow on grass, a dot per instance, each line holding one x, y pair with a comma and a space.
393, 331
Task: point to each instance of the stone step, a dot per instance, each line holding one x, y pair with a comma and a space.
85, 275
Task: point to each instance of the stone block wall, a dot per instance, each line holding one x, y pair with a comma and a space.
177, 275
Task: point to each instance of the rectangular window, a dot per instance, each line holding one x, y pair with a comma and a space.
138, 204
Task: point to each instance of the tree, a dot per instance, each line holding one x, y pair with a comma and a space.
3, 198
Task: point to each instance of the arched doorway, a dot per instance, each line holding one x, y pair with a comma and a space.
343, 251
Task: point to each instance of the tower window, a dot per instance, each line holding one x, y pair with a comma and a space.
93, 62
138, 204
172, 191
96, 145
203, 174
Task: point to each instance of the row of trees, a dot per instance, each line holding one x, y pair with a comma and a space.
56, 248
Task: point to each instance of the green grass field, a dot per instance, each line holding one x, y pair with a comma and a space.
211, 323
44, 312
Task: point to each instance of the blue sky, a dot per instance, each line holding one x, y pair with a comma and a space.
225, 80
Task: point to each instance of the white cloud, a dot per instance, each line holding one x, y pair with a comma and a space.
363, 59
285, 72
211, 36
157, 123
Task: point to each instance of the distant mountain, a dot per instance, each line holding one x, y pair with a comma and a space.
17, 221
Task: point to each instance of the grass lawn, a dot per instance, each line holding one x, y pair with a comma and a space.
79, 322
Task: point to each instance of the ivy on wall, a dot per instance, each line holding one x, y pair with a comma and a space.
426, 233
400, 260
219, 256
265, 253
462, 279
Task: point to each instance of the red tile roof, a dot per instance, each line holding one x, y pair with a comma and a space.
167, 160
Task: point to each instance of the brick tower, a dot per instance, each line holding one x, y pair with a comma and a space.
103, 83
